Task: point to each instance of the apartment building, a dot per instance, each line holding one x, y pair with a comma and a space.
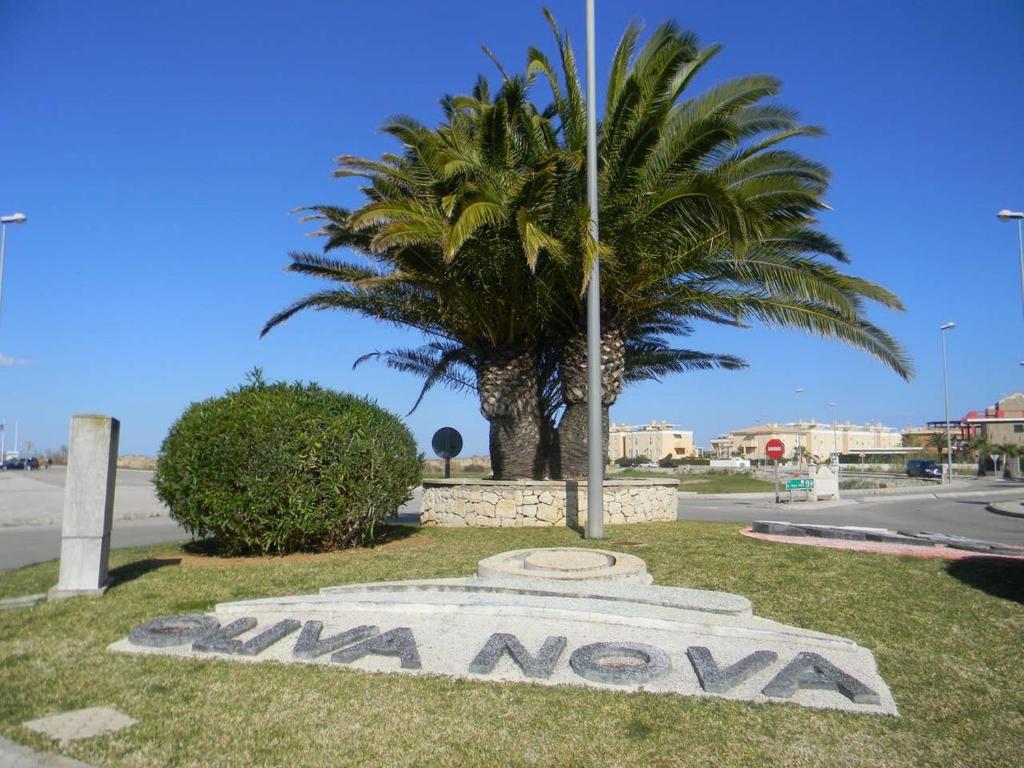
652, 441
812, 437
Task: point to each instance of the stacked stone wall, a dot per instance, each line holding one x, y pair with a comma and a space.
508, 504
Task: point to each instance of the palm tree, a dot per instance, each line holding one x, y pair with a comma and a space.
937, 443
984, 450
703, 217
449, 239
1011, 453
477, 236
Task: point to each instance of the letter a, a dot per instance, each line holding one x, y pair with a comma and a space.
809, 671
397, 642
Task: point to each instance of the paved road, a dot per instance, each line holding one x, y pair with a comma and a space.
24, 545
37, 498
959, 512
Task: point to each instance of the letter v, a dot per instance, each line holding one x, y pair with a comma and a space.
310, 646
715, 680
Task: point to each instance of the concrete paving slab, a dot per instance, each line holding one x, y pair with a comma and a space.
81, 724
14, 755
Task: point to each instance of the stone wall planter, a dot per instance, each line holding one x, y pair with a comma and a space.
514, 503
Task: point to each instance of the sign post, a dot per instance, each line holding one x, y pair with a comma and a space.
774, 449
447, 443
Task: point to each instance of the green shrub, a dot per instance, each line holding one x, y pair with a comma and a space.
631, 461
278, 468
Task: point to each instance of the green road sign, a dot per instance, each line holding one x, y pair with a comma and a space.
800, 484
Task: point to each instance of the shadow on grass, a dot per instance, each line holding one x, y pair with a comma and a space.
383, 533
131, 571
994, 575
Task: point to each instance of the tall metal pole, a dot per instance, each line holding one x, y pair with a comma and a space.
595, 429
13, 218
799, 440
1020, 248
945, 389
3, 248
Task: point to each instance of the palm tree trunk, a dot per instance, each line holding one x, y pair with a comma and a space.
572, 427
507, 384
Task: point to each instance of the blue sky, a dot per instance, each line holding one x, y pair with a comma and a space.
158, 148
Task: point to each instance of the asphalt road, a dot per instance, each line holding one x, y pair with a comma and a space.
961, 512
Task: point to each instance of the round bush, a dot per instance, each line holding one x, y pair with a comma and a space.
277, 468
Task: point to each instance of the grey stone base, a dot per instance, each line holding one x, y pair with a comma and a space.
517, 503
63, 594
618, 635
1008, 508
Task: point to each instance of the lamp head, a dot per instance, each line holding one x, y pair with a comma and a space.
14, 218
1006, 214
947, 326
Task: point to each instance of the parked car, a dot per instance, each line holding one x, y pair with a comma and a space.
14, 464
923, 468
32, 463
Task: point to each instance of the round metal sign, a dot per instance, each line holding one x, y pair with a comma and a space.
446, 442
774, 448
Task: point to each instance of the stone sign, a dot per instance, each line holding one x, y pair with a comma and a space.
565, 627
88, 506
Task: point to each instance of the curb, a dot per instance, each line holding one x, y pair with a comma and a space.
1010, 509
25, 601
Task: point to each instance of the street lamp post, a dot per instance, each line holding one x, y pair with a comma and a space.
835, 428
799, 441
945, 389
14, 218
1007, 215
595, 428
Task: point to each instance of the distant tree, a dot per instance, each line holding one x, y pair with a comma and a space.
1011, 453
983, 451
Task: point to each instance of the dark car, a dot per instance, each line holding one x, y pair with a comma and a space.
923, 468
14, 464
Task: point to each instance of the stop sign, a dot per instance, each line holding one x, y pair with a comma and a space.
774, 448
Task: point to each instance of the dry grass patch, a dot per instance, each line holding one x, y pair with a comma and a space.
947, 638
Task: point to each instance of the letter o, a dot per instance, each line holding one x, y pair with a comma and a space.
587, 663
172, 630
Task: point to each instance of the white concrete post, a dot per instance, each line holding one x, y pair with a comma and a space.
88, 506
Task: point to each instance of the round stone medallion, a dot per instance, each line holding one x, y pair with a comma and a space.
569, 560
566, 564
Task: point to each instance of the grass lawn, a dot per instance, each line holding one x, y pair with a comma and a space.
710, 482
948, 638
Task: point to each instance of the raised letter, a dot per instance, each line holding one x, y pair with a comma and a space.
587, 663
222, 640
267, 637
809, 671
717, 680
310, 646
172, 630
500, 643
397, 642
